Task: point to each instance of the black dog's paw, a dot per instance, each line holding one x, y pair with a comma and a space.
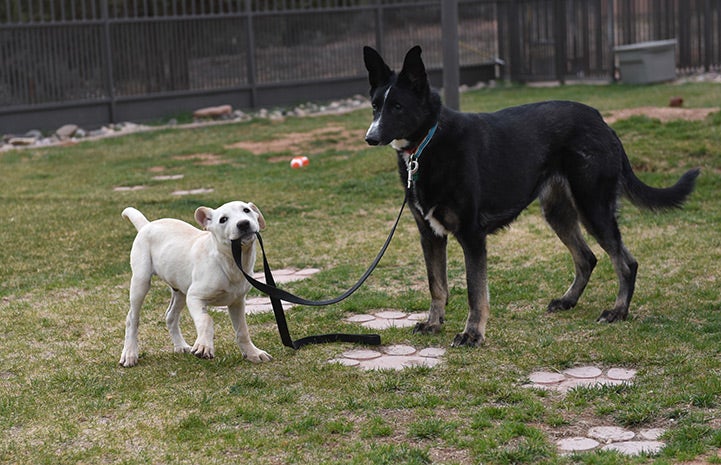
609, 316
425, 327
557, 305
466, 339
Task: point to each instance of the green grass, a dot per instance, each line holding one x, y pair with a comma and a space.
63, 300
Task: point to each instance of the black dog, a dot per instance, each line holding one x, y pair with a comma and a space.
471, 174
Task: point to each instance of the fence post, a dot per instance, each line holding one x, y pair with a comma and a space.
449, 26
514, 42
108, 59
611, 32
250, 53
559, 14
707, 36
379, 26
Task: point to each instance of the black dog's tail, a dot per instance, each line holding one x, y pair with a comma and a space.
653, 198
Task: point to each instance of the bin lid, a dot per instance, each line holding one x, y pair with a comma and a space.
650, 45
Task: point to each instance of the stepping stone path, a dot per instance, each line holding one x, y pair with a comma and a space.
615, 438
398, 357
587, 376
387, 319
286, 275
395, 357
621, 440
254, 305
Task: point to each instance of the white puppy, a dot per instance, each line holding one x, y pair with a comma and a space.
200, 270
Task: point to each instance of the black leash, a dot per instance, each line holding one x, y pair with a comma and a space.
276, 295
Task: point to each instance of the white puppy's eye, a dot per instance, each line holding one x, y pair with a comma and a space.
246, 210
223, 219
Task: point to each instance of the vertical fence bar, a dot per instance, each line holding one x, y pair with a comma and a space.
707, 35
449, 36
379, 26
559, 23
250, 53
610, 32
108, 61
514, 41
500, 14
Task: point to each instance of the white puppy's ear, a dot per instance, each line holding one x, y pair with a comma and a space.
204, 215
261, 220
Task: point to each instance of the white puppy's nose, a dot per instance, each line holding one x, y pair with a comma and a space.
243, 225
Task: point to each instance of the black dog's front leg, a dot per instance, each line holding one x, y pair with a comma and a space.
434, 252
479, 308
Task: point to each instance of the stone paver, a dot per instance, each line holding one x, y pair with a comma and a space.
285, 275
393, 357
200, 190
586, 376
384, 319
576, 444
254, 305
622, 440
288, 275
168, 177
608, 434
614, 438
635, 447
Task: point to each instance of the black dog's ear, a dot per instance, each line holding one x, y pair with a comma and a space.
378, 71
414, 71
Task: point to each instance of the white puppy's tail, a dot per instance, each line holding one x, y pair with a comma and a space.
134, 216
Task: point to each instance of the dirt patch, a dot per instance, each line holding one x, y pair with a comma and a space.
664, 114
306, 143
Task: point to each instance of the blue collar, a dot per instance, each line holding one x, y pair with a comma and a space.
412, 163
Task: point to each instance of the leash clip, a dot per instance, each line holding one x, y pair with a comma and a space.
412, 170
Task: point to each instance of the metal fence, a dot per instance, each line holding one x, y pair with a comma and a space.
98, 61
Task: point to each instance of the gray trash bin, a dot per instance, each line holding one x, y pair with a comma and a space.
647, 62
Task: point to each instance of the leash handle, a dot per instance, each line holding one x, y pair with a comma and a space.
276, 295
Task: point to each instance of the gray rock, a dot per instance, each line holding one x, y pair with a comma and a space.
67, 131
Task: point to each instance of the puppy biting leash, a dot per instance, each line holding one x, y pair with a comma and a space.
276, 295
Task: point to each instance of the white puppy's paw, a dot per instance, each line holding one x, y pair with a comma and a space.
128, 358
254, 354
184, 349
201, 350
258, 356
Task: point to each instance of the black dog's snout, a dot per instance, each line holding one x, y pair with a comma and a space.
243, 225
370, 140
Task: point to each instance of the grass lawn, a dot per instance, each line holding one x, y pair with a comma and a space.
65, 274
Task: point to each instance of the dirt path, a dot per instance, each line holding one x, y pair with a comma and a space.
664, 114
